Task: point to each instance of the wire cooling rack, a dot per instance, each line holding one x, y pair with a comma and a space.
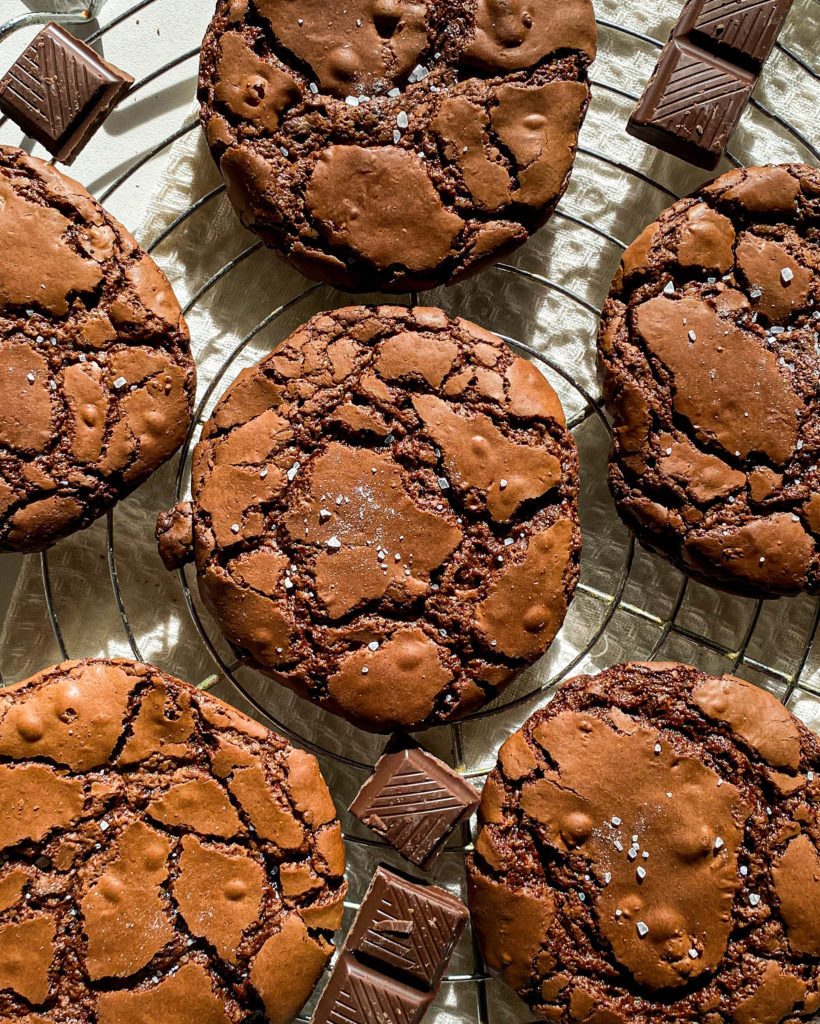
628, 602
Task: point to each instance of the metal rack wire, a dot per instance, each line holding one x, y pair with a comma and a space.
612, 600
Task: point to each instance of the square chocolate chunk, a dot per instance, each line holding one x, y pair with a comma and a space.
414, 801
408, 929
692, 104
355, 994
59, 91
742, 31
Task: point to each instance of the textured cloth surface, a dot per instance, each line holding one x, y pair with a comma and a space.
625, 601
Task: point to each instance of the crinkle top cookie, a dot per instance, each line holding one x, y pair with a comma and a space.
709, 348
96, 377
385, 515
395, 144
162, 856
649, 853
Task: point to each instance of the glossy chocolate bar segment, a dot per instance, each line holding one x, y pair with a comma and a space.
414, 801
395, 955
407, 928
705, 77
742, 31
355, 994
59, 91
692, 104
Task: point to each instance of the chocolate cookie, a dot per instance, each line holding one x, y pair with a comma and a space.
709, 350
96, 377
163, 857
395, 144
385, 515
649, 851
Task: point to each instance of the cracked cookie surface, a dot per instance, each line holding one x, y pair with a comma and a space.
395, 144
649, 853
385, 515
709, 347
162, 856
96, 377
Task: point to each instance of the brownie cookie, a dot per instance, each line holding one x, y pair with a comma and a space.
96, 377
385, 515
709, 350
395, 144
649, 851
163, 857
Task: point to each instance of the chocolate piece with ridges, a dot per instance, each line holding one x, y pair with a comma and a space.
355, 994
744, 31
59, 91
407, 929
414, 801
395, 954
692, 104
705, 76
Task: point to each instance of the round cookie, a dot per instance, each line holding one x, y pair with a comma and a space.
96, 377
709, 351
164, 857
385, 515
649, 853
395, 144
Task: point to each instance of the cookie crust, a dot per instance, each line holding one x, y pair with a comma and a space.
96, 376
649, 851
395, 144
709, 353
385, 515
163, 855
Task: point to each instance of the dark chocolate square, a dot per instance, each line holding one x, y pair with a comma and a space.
742, 31
414, 801
355, 994
692, 104
408, 929
59, 91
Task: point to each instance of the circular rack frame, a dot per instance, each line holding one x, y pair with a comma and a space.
613, 600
